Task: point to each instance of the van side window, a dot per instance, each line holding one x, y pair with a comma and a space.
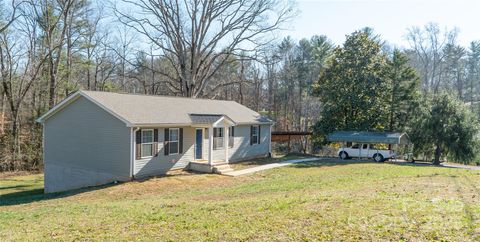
365, 146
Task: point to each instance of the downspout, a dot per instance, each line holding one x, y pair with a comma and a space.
270, 141
132, 150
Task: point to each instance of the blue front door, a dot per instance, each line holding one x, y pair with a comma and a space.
198, 144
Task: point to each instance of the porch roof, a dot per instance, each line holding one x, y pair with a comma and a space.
208, 119
204, 118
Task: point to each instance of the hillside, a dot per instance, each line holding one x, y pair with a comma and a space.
318, 200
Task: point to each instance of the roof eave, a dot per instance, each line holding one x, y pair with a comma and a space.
58, 107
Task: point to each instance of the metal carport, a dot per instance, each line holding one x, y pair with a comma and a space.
369, 137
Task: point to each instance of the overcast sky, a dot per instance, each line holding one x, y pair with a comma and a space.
389, 18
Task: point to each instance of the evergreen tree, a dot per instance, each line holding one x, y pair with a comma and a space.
444, 126
403, 90
352, 88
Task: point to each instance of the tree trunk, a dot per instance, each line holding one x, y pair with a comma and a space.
2, 115
438, 153
52, 84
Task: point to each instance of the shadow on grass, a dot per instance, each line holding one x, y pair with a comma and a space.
323, 161
37, 195
14, 187
326, 161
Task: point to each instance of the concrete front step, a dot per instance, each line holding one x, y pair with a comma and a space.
221, 169
217, 167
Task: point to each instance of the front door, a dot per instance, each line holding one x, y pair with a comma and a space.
198, 144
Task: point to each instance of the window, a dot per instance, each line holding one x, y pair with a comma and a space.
173, 141
231, 135
217, 138
355, 146
255, 135
365, 146
147, 143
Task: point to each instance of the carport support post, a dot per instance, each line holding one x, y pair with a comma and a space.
210, 145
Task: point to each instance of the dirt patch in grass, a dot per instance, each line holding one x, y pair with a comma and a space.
17, 173
267, 160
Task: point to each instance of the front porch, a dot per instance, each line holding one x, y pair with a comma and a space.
211, 154
218, 166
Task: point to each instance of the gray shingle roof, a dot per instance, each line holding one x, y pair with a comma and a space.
204, 118
148, 109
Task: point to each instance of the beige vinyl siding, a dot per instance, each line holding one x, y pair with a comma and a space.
242, 149
162, 164
84, 146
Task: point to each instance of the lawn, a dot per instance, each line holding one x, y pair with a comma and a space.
308, 201
266, 160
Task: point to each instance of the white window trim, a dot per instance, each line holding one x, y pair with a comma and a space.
223, 137
141, 146
170, 141
257, 140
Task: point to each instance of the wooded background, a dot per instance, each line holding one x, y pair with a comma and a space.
225, 49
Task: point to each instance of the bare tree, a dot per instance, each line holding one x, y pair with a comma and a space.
124, 50
427, 45
198, 36
52, 17
20, 65
4, 26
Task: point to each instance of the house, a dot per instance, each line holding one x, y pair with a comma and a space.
94, 138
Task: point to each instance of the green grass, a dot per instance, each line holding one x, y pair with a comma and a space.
308, 201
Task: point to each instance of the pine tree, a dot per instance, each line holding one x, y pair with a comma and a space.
403, 88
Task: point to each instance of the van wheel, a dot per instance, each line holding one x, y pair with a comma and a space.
343, 155
378, 158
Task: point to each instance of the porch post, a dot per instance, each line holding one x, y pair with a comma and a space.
226, 138
210, 145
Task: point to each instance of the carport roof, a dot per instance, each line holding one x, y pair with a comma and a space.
369, 137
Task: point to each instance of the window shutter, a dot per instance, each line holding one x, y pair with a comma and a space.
259, 134
155, 142
180, 141
251, 135
166, 146
233, 131
138, 144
